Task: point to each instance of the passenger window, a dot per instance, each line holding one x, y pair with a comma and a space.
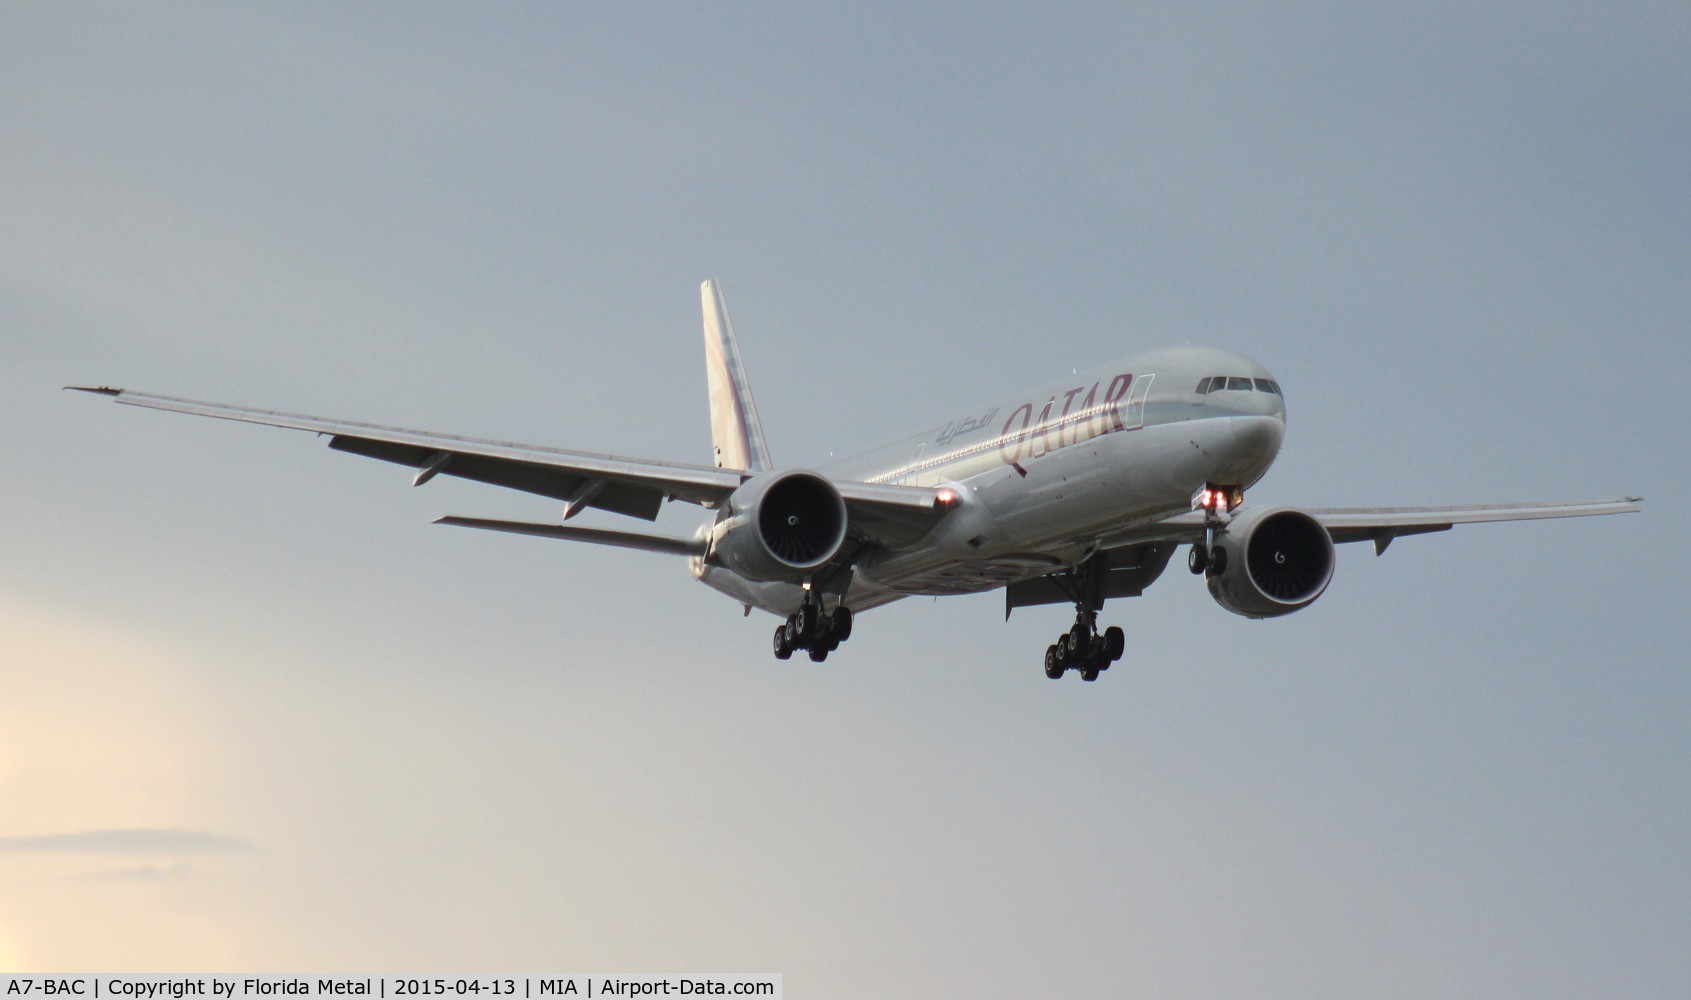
1242, 384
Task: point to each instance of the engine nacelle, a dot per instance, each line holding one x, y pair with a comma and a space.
779, 526
1278, 561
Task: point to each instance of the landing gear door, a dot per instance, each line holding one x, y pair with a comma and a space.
1134, 417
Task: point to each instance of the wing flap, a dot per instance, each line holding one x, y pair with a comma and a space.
633, 499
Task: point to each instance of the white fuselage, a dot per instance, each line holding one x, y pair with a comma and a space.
1045, 477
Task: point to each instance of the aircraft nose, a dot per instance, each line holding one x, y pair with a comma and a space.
1259, 436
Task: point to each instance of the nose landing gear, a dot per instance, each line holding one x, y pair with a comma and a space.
1215, 501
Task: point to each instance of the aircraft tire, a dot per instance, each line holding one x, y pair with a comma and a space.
1197, 560
1089, 673
1080, 640
783, 643
818, 654
1115, 643
1218, 562
1053, 664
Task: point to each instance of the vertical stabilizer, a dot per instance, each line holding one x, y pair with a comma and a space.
735, 430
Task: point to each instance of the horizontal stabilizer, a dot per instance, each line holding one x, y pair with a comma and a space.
599, 536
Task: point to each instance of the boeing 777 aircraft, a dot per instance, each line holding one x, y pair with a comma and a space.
1073, 492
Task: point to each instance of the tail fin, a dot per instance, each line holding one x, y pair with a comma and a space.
735, 430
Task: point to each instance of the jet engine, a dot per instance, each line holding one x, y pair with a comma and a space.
1277, 561
779, 526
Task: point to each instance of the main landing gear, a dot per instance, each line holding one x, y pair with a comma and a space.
1084, 648
814, 629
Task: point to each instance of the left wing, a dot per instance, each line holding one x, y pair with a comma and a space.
1382, 524
878, 513
1133, 559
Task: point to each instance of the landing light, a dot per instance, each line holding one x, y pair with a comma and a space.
946, 497
1213, 498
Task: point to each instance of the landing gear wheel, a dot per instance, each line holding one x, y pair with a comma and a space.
841, 626
804, 624
1053, 663
819, 654
1218, 562
783, 643
1197, 560
1080, 640
1115, 641
1089, 673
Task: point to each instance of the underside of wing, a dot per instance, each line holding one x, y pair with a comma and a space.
579, 479
885, 515
1129, 561
892, 517
1382, 524
1124, 571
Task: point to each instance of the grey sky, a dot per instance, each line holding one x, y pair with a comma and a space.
1458, 237
141, 841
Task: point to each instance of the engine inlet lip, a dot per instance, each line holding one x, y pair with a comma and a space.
807, 496
1311, 536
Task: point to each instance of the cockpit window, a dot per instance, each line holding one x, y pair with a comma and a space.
1237, 383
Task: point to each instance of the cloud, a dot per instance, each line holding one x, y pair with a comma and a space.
134, 841
141, 873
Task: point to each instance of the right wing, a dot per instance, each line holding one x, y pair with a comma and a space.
580, 479
879, 514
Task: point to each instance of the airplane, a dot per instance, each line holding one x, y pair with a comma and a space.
1074, 492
